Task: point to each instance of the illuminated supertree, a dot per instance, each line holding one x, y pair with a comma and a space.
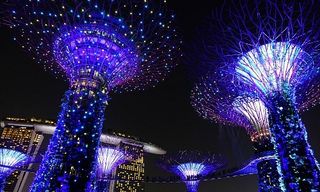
108, 159
191, 166
270, 50
100, 47
218, 104
9, 159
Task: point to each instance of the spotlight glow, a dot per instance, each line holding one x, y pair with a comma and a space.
109, 159
270, 50
256, 112
270, 66
10, 158
192, 166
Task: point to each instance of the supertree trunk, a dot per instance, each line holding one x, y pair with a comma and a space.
268, 174
103, 186
299, 168
192, 186
2, 183
70, 161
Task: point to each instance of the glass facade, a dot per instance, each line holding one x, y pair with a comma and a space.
131, 172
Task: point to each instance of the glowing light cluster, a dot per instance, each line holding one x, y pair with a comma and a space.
270, 50
9, 159
271, 66
215, 102
127, 44
191, 169
108, 159
191, 166
256, 112
101, 47
96, 52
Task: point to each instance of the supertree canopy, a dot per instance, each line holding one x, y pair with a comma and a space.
191, 166
108, 159
9, 159
218, 104
270, 50
101, 47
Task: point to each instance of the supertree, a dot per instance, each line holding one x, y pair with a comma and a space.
270, 50
192, 166
100, 47
220, 105
10, 159
108, 159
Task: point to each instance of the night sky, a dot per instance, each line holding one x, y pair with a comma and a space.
162, 115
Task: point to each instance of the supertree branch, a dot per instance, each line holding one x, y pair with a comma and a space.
100, 47
109, 158
192, 166
270, 50
8, 160
189, 172
221, 105
257, 114
217, 103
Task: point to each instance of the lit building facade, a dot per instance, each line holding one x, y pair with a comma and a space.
32, 137
23, 135
131, 172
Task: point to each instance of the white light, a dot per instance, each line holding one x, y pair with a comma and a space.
191, 169
108, 159
271, 65
10, 158
255, 111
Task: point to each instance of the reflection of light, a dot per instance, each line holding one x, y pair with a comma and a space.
270, 65
256, 112
10, 158
109, 159
191, 169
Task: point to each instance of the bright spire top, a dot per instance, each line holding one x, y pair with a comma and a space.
192, 166
109, 159
191, 169
271, 66
256, 112
126, 45
10, 158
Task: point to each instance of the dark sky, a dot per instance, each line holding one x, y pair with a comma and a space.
162, 115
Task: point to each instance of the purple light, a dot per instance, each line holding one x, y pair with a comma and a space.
125, 45
257, 114
108, 159
101, 47
267, 50
270, 66
217, 103
192, 166
96, 52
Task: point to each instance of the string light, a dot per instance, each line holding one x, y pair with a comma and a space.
8, 160
100, 47
269, 50
108, 159
191, 166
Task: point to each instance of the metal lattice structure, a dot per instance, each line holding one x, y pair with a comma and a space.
100, 47
191, 166
9, 160
269, 50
